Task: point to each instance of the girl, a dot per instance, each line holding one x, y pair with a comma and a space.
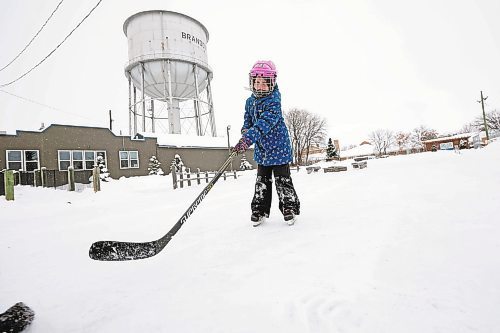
265, 127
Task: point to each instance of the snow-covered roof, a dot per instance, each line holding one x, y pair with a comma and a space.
15, 132
452, 137
181, 140
365, 149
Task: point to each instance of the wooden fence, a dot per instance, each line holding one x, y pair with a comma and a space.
179, 178
47, 178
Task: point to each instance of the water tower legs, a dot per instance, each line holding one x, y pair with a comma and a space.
197, 102
211, 109
135, 110
195, 113
152, 115
174, 116
129, 104
143, 96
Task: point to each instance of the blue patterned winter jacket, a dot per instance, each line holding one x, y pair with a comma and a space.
265, 127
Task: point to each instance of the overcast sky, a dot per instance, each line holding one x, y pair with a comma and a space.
361, 64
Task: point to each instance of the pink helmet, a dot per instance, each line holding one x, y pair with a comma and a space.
264, 68
267, 70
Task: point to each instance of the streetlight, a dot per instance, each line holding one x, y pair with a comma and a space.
229, 144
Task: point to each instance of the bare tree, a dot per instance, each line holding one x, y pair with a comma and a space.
315, 132
305, 130
295, 121
381, 140
402, 139
492, 121
468, 128
420, 134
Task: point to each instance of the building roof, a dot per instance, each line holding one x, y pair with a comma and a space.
361, 150
181, 140
452, 137
166, 140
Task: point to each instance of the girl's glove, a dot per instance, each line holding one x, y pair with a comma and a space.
242, 145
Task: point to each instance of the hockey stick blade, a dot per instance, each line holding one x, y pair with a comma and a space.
121, 251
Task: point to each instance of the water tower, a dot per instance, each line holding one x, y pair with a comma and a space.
168, 65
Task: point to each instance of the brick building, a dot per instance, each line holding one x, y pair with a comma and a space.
59, 146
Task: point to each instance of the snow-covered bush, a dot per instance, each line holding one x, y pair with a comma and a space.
245, 165
104, 173
154, 166
178, 164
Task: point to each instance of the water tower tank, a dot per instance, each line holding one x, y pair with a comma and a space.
168, 64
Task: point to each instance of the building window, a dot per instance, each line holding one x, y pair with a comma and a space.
24, 160
64, 159
129, 159
14, 159
31, 161
80, 159
77, 159
89, 159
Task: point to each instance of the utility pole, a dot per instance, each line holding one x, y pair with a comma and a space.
110, 122
484, 116
228, 144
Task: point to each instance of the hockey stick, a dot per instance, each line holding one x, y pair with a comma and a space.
120, 251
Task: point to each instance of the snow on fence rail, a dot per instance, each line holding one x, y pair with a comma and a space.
178, 178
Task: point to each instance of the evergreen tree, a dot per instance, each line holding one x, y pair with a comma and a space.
154, 166
331, 150
245, 165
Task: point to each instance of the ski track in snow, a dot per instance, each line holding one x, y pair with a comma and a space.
321, 311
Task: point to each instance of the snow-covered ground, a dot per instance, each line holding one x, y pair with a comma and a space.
409, 244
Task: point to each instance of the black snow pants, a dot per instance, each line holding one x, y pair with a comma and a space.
288, 199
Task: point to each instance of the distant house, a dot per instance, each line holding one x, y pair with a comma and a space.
365, 149
448, 142
59, 146
318, 152
479, 138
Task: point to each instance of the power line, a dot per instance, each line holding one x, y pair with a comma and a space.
45, 105
32, 39
48, 55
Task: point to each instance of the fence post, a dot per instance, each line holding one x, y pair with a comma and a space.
96, 179
9, 184
43, 176
35, 181
71, 179
181, 176
224, 175
188, 175
174, 175
198, 176
235, 177
206, 176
